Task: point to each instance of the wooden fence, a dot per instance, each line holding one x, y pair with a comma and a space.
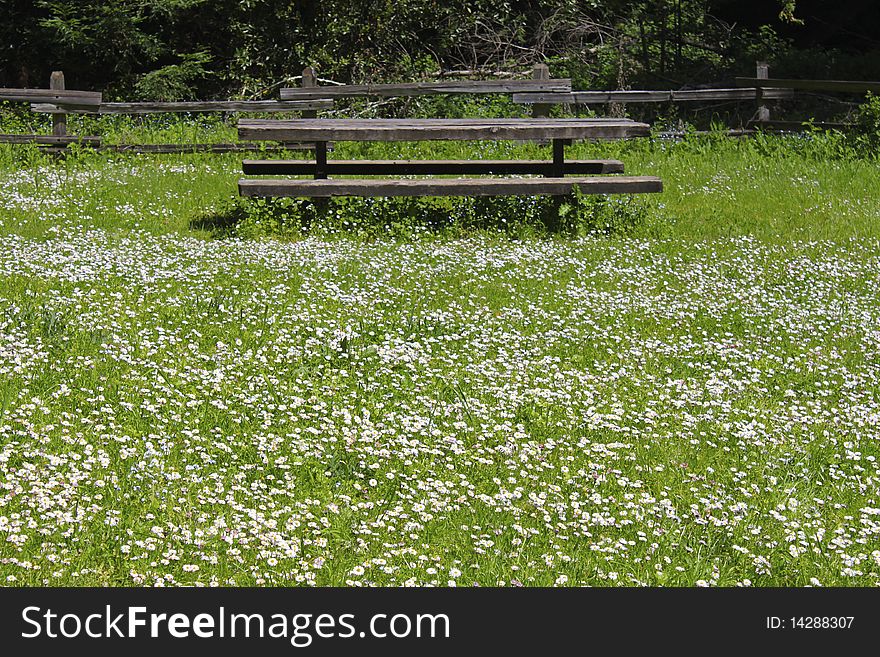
760, 92
540, 92
59, 102
760, 88
764, 82
63, 99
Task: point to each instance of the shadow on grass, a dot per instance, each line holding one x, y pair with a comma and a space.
221, 223
408, 217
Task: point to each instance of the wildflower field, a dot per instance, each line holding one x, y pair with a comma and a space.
688, 396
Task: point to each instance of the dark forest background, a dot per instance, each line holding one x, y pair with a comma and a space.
188, 49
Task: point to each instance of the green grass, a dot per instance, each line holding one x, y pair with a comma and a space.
674, 389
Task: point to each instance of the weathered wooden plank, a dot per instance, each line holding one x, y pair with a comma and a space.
48, 139
747, 93
584, 97
450, 187
483, 122
540, 72
309, 79
437, 129
427, 88
59, 121
196, 106
161, 149
840, 86
427, 167
217, 106
203, 148
95, 142
800, 126
66, 98
436, 122
688, 95
762, 72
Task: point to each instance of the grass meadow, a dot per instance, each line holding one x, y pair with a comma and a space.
680, 389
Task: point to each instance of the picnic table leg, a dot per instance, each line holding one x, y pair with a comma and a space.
320, 159
558, 170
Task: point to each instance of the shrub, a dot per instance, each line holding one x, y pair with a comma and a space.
867, 132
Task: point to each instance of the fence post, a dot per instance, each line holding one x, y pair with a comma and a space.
309, 79
540, 72
762, 72
59, 120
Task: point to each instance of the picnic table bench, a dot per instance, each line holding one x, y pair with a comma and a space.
558, 177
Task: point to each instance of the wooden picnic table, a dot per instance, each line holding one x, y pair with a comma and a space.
559, 132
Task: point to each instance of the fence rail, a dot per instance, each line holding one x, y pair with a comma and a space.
426, 89
788, 126
64, 98
191, 106
49, 140
831, 86
654, 96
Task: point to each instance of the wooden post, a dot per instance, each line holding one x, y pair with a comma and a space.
540, 72
309, 79
59, 121
558, 158
320, 160
762, 72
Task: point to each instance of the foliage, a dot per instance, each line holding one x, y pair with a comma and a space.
786, 13
175, 81
601, 215
248, 48
867, 134
112, 41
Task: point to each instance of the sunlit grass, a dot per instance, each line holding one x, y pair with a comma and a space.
693, 399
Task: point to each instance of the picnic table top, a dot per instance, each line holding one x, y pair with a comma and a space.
438, 129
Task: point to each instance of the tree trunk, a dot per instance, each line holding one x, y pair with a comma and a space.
678, 36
